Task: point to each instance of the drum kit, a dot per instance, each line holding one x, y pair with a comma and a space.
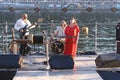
57, 46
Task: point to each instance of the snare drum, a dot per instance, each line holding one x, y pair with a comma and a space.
57, 47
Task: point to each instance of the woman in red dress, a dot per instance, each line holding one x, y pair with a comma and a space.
72, 36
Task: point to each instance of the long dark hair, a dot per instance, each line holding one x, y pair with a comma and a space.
75, 22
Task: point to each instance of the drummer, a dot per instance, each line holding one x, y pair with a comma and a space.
59, 32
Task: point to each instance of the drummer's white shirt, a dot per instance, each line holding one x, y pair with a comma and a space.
60, 31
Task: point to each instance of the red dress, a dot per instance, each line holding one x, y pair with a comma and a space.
70, 46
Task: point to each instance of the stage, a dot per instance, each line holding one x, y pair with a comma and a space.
33, 68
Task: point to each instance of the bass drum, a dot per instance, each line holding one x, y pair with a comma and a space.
57, 47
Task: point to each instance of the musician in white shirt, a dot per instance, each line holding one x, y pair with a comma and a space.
22, 22
19, 25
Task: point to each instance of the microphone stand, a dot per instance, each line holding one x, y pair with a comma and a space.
46, 49
6, 37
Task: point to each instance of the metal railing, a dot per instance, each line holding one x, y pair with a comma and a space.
100, 37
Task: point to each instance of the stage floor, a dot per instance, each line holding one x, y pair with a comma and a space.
33, 68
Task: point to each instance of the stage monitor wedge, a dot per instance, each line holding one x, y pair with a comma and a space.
10, 61
108, 60
61, 62
109, 75
7, 74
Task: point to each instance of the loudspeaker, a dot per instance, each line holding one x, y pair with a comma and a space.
61, 62
7, 74
118, 32
118, 47
107, 60
9, 61
109, 75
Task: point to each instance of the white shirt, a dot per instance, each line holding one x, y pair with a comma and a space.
60, 31
21, 24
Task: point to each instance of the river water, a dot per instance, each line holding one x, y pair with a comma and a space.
101, 26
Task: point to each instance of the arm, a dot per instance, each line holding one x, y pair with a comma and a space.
77, 38
16, 27
78, 31
31, 25
56, 31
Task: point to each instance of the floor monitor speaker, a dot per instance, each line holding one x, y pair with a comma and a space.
107, 60
10, 61
61, 62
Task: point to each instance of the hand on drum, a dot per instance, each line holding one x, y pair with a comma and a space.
61, 40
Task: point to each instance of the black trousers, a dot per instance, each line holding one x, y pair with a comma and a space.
24, 48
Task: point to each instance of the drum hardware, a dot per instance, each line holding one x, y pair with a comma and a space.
57, 47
